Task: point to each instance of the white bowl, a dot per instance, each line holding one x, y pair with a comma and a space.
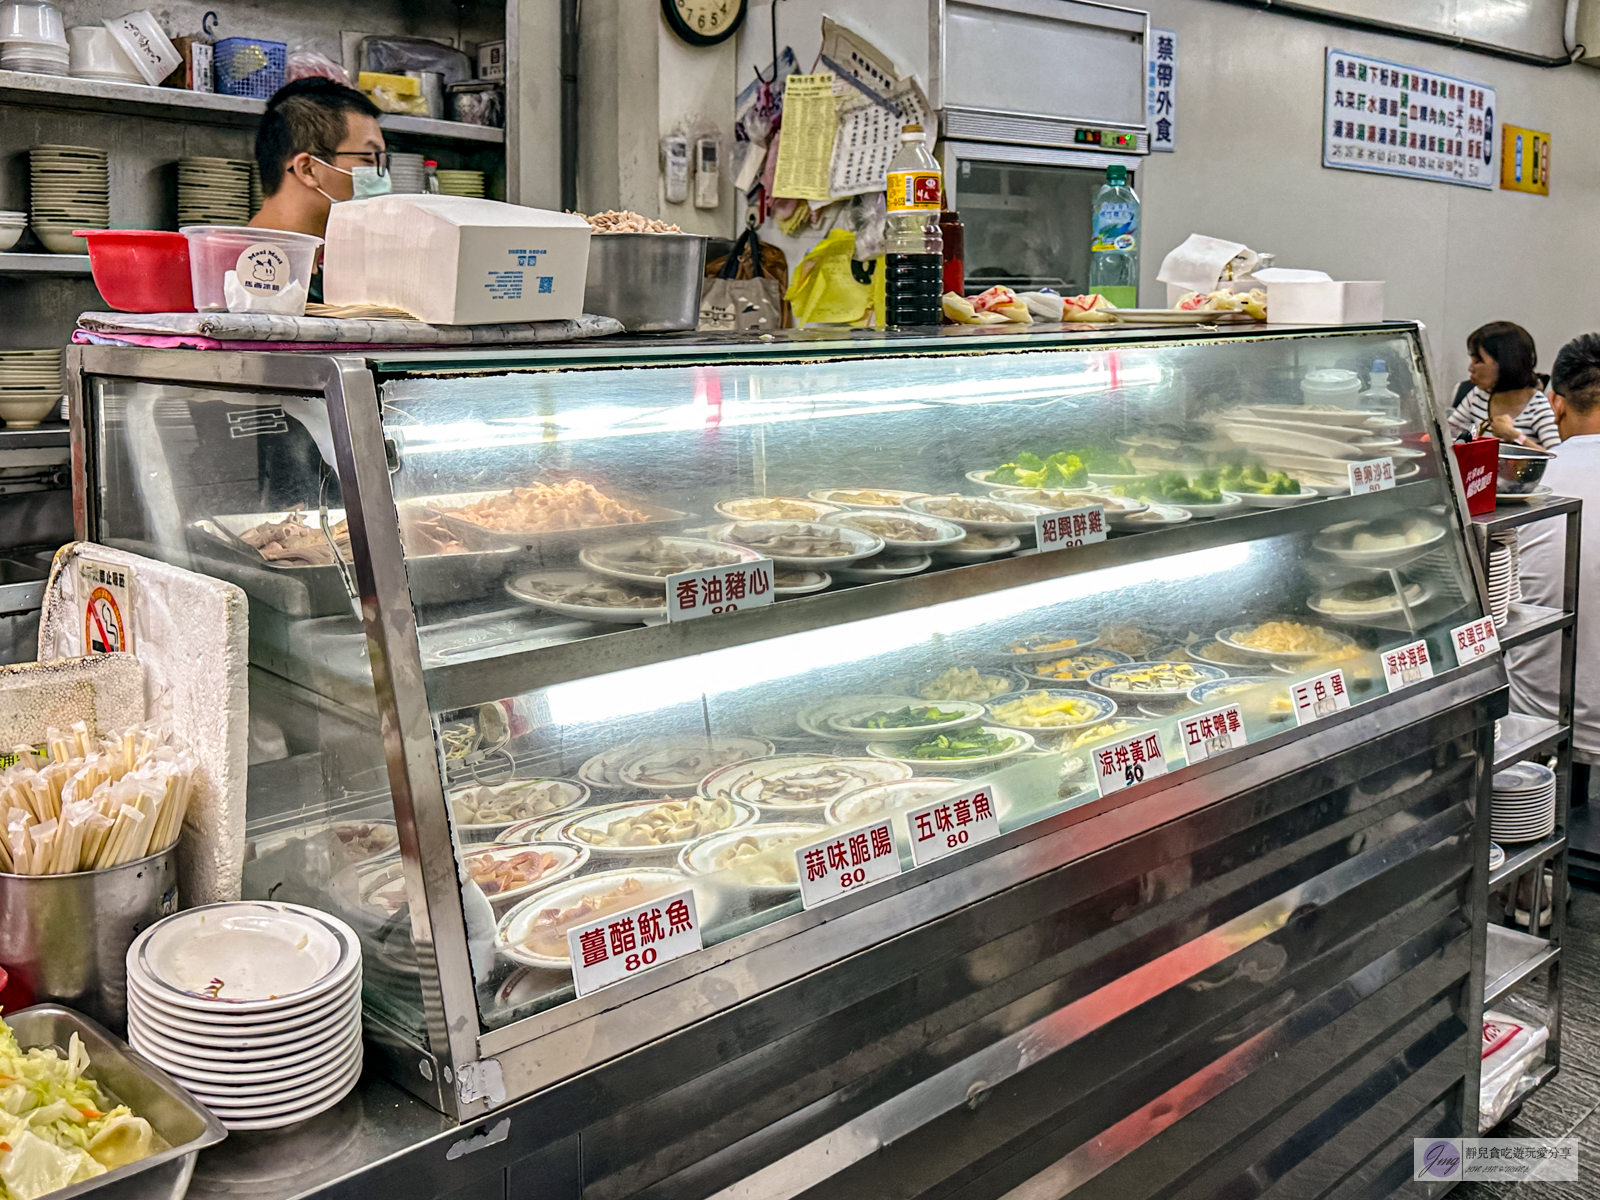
10, 235
780, 837
25, 414
94, 51
60, 241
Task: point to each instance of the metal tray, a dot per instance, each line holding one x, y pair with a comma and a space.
181, 1121
658, 520
319, 591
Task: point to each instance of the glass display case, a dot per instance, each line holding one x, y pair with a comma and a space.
478, 724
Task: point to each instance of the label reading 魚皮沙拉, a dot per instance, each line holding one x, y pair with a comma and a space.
712, 591
945, 826
1133, 760
1475, 640
1373, 475
1319, 697
1208, 734
1405, 665
847, 862
1070, 527
634, 940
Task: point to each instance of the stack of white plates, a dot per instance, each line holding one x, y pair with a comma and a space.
30, 386
1524, 808
256, 195
1497, 856
38, 58
12, 225
408, 173
254, 1006
213, 191
461, 183
68, 188
1502, 577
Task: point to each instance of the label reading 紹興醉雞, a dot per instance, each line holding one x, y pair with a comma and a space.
1208, 734
1408, 664
1475, 640
1131, 761
953, 824
846, 863
1320, 697
632, 941
1070, 527
712, 591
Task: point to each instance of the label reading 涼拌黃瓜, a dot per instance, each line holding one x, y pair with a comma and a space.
1070, 527
1131, 761
1208, 734
952, 824
1319, 697
626, 943
846, 863
1405, 665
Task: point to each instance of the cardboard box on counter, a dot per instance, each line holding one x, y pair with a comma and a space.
1325, 302
457, 260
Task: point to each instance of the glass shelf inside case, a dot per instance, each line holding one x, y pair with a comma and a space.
920, 646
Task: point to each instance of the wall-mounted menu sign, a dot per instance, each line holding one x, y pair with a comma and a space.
1391, 119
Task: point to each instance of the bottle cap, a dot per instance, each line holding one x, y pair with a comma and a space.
1117, 174
905, 129
1378, 367
428, 162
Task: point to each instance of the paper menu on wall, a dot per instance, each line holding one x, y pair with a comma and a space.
869, 136
810, 120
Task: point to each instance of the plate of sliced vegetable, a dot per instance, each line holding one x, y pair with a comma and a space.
1051, 709
1052, 671
970, 683
913, 722
977, 746
1036, 647
1140, 679
759, 858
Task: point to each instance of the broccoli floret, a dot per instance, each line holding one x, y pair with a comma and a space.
1065, 470
1256, 474
1279, 484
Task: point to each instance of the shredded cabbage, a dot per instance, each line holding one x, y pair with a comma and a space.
52, 1116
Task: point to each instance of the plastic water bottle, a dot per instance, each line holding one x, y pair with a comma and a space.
1114, 240
1378, 397
913, 247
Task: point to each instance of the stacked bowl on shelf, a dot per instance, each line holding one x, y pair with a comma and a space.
1505, 584
253, 1006
32, 38
12, 225
69, 188
213, 191
95, 53
460, 183
30, 386
408, 174
1524, 805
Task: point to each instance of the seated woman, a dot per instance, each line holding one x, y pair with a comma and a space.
1505, 400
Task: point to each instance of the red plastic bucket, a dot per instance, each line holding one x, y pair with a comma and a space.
140, 270
1479, 461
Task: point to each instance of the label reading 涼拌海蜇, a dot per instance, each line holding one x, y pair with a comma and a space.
634, 940
846, 863
945, 826
1408, 664
1319, 697
711, 591
1131, 761
1211, 733
1070, 527
1475, 640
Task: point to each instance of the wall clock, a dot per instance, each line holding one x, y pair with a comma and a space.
704, 22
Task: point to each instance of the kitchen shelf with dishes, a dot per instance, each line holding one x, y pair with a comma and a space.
574, 749
1531, 810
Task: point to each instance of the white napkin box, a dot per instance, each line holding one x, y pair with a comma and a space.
457, 260
1325, 302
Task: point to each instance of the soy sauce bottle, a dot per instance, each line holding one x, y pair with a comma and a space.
913, 247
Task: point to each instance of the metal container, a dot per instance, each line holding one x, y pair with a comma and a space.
1521, 468
64, 938
183, 1123
650, 282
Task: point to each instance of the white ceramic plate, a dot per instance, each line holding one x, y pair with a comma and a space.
1230, 636
1013, 518
183, 1021
1101, 680
293, 1111
725, 783
961, 553
519, 587
1157, 516
848, 723
1319, 605
1544, 489
887, 565
1260, 500
885, 797
1116, 658
828, 781
603, 558
1020, 650
813, 719
248, 1066
1335, 539
1175, 316
296, 1036
514, 928
595, 820
873, 522
575, 794
885, 497
604, 770
678, 764
1229, 505
1315, 414
246, 956
294, 1117
896, 752
570, 860
1104, 709
1323, 429
809, 582
862, 545
776, 842
237, 1091
741, 509
1259, 436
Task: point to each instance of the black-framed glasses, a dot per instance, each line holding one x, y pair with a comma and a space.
370, 158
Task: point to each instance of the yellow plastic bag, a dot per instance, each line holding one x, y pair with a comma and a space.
826, 291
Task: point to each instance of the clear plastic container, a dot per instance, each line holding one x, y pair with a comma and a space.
270, 267
1331, 385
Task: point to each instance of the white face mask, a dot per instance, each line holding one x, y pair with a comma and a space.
365, 181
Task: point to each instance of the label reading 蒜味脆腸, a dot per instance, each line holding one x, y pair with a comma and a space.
846, 863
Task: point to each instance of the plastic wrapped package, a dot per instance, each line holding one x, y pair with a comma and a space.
397, 55
309, 64
1512, 1047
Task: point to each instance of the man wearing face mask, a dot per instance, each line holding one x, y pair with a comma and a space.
318, 144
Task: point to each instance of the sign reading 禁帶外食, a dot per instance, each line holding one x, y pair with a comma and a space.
1390, 119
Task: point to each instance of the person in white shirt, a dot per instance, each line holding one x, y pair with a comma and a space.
1574, 471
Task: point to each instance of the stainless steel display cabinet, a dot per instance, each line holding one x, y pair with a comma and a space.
1271, 942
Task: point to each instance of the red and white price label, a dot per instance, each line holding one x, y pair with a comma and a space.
1210, 733
1475, 640
1128, 762
632, 941
1373, 475
1070, 527
946, 826
711, 591
846, 863
1405, 665
1320, 697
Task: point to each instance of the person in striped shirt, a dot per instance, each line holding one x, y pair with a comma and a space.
1503, 397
